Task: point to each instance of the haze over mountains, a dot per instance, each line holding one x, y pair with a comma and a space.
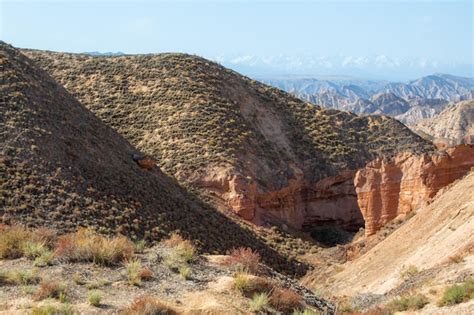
409, 102
380, 67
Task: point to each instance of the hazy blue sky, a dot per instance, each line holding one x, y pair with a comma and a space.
436, 30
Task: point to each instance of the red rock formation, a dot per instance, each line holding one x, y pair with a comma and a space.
300, 205
147, 163
332, 200
386, 189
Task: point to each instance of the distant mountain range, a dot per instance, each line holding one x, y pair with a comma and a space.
409, 101
376, 66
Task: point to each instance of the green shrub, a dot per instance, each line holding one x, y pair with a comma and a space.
52, 310
414, 302
94, 297
409, 272
133, 271
24, 277
33, 250
259, 301
184, 272
139, 246
458, 293
242, 282
44, 259
182, 251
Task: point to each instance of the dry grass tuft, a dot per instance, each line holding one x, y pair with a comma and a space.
148, 305
244, 259
181, 252
145, 273
17, 241
456, 259
285, 300
12, 241
86, 245
50, 289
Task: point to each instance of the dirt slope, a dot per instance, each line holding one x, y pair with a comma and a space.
63, 167
443, 229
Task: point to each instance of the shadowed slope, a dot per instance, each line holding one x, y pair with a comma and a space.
62, 167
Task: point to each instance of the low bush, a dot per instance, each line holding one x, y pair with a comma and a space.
145, 273
52, 310
285, 300
249, 285
50, 289
405, 303
409, 272
45, 259
12, 241
15, 277
244, 259
33, 249
147, 305
458, 293
17, 241
181, 252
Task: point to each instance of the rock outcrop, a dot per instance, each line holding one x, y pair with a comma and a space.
386, 189
332, 201
300, 205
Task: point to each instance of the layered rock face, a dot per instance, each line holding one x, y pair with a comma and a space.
300, 205
332, 201
386, 189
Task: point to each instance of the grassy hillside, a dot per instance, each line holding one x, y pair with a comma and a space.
195, 115
63, 167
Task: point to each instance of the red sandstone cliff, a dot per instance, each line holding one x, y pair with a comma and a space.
386, 189
301, 205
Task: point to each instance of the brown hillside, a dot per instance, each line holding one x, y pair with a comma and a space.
222, 132
62, 167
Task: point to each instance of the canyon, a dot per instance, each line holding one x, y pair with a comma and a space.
389, 188
370, 197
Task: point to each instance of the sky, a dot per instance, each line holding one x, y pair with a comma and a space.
437, 32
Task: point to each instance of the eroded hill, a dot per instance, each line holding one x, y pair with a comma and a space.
454, 125
63, 167
238, 140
